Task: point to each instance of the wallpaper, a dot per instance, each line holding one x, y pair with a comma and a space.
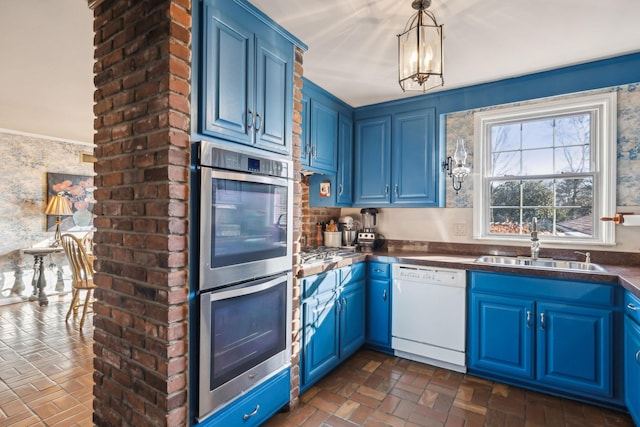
461, 125
26, 159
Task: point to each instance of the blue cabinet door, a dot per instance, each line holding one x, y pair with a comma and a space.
574, 348
344, 178
324, 137
414, 159
274, 95
229, 66
305, 146
352, 302
320, 351
632, 368
372, 178
501, 335
379, 313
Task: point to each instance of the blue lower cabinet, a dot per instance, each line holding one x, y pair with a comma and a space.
574, 348
321, 351
255, 407
552, 335
333, 317
632, 356
501, 335
379, 306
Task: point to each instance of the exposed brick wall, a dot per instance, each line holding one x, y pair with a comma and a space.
312, 216
297, 226
142, 108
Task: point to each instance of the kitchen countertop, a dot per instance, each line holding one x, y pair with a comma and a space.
626, 276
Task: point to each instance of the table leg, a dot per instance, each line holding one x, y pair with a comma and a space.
60, 281
42, 284
36, 277
18, 286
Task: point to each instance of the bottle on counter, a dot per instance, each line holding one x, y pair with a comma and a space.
318, 234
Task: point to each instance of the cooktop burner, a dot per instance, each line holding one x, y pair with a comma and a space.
313, 255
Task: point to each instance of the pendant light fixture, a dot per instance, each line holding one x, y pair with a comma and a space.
420, 57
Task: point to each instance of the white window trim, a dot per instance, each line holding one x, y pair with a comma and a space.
603, 157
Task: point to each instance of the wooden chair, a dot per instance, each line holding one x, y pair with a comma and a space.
82, 274
87, 242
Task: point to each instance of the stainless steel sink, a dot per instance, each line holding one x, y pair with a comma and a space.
540, 262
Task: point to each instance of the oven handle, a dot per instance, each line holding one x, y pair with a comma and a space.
247, 288
211, 173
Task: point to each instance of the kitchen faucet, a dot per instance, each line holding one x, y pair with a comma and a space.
587, 256
535, 243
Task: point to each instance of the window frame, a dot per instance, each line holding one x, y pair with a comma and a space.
603, 107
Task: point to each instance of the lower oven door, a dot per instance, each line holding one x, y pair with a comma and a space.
245, 338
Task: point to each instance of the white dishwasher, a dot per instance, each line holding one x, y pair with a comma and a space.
429, 315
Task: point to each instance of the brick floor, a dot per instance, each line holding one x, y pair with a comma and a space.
374, 390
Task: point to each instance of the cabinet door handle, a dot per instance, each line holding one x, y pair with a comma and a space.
377, 270
314, 151
396, 190
632, 307
542, 321
528, 318
249, 119
258, 122
386, 190
255, 411
340, 186
637, 356
384, 295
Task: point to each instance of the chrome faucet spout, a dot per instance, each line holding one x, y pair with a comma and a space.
535, 243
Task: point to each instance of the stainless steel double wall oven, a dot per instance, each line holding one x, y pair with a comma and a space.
246, 205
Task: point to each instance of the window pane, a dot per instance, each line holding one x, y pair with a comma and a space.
504, 221
506, 163
505, 193
537, 134
505, 137
572, 159
575, 193
574, 222
537, 193
573, 130
537, 162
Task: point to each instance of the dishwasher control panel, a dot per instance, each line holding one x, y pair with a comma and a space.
437, 276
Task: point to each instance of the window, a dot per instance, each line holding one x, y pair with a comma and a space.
553, 160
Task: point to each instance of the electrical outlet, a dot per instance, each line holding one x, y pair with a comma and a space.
459, 229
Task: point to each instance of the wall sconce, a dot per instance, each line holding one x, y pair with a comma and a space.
58, 206
456, 167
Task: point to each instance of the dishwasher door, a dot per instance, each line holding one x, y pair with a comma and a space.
429, 315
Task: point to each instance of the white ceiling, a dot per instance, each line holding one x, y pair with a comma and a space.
46, 48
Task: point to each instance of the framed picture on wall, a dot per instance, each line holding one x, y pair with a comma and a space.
78, 189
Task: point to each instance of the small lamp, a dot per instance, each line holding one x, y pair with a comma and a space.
456, 167
58, 205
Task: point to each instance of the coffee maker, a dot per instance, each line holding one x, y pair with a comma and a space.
367, 237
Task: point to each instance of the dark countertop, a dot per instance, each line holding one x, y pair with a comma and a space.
626, 276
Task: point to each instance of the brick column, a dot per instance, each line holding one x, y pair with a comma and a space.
142, 108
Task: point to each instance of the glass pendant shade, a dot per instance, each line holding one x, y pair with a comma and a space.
420, 58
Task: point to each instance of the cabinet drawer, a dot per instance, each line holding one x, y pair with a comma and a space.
379, 270
320, 283
632, 306
257, 406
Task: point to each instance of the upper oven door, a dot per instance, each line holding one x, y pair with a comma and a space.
246, 227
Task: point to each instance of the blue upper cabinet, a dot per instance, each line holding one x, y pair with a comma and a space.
246, 79
322, 115
344, 176
396, 159
323, 149
372, 159
414, 167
